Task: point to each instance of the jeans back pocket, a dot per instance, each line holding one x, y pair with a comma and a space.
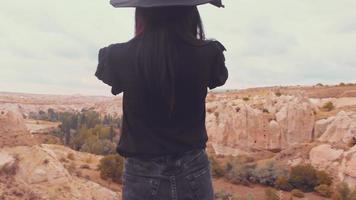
139, 187
199, 178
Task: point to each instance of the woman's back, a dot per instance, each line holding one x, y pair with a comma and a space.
149, 128
164, 73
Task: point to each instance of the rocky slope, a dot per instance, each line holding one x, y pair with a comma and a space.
40, 168
39, 171
288, 126
337, 154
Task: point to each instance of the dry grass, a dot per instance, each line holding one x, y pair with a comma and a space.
70, 156
70, 167
89, 159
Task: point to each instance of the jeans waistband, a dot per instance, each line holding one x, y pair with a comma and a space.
166, 159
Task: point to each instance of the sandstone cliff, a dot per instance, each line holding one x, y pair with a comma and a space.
338, 154
262, 123
13, 131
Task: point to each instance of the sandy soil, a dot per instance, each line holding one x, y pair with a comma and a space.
257, 191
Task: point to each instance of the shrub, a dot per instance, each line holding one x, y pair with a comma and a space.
111, 166
282, 183
70, 156
70, 167
297, 193
51, 141
216, 168
250, 196
265, 110
267, 172
342, 192
303, 177
224, 195
323, 178
89, 159
98, 147
9, 169
271, 194
239, 171
323, 190
328, 106
237, 109
278, 94
78, 173
246, 98
352, 196
351, 142
84, 166
45, 161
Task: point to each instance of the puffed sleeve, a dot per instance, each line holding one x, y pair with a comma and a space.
106, 71
219, 72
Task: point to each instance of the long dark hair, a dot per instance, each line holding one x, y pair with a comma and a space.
160, 28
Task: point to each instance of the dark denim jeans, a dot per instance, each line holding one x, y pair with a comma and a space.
168, 178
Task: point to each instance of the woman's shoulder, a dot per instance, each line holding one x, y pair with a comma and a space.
208, 48
118, 51
122, 46
215, 44
211, 49
114, 47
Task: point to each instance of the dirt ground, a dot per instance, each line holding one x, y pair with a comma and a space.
257, 191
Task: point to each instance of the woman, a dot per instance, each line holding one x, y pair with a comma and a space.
164, 73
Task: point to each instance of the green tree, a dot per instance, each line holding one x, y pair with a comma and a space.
52, 115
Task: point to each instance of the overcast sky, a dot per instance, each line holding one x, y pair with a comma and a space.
51, 46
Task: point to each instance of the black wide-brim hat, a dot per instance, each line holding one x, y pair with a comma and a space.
161, 3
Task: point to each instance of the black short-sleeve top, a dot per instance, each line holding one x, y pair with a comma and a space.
146, 131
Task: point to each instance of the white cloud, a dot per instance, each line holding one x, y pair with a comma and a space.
51, 46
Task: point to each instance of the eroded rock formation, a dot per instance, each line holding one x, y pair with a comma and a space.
338, 162
340, 129
41, 171
268, 123
13, 131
